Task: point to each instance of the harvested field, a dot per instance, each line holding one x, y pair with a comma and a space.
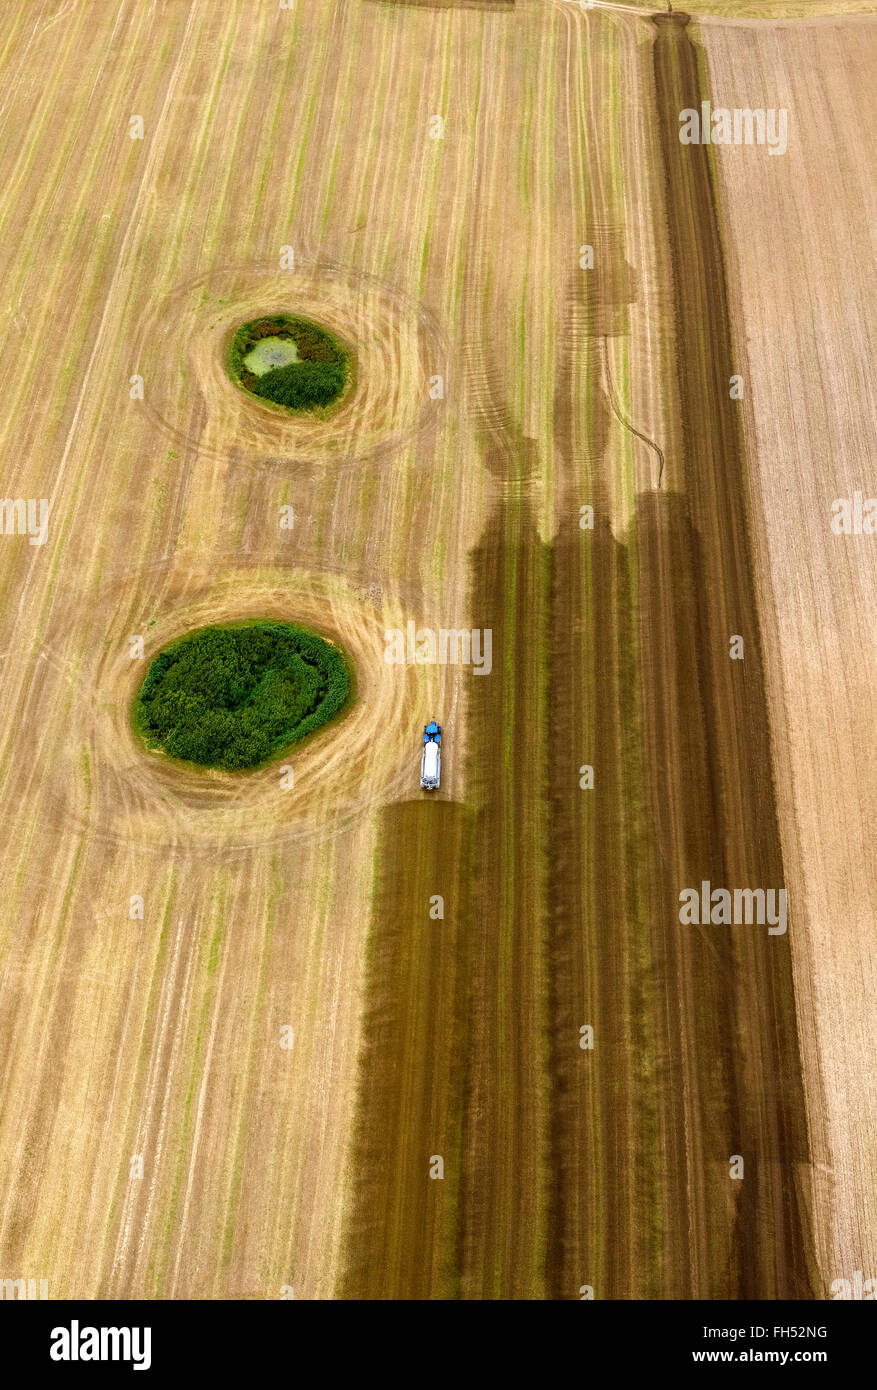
235, 1040
809, 427
161, 1038
778, 9
725, 11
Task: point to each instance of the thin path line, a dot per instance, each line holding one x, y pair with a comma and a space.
619, 413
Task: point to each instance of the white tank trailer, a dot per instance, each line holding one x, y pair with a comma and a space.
431, 759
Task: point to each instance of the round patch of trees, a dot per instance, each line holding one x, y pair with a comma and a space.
312, 383
235, 696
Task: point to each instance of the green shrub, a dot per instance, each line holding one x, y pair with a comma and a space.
301, 385
231, 697
312, 383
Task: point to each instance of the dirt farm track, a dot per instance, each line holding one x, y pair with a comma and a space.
242, 1090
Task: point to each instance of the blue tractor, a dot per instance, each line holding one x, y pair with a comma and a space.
431, 761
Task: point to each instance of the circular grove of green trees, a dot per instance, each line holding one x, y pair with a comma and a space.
313, 380
234, 696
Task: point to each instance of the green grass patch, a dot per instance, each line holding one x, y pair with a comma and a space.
290, 362
235, 696
270, 353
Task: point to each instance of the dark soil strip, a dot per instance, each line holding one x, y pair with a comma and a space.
744, 1074
401, 1232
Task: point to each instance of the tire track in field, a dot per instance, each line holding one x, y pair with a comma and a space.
620, 415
